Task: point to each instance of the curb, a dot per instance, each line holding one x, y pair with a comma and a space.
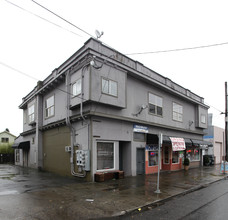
160, 202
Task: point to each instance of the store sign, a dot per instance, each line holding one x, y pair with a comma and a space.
141, 129
178, 144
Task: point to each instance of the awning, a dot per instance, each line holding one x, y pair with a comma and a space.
21, 145
166, 140
188, 142
202, 144
178, 144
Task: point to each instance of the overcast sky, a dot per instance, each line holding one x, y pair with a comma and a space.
35, 42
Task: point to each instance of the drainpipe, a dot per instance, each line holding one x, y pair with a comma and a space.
82, 91
68, 123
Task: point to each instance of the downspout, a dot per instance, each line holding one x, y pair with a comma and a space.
82, 91
72, 130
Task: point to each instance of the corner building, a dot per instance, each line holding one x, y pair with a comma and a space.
101, 111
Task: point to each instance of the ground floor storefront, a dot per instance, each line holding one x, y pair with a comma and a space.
101, 145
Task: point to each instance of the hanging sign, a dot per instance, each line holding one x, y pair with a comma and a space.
178, 144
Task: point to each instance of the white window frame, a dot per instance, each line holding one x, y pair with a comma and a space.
203, 118
47, 108
77, 87
177, 112
178, 157
157, 101
114, 156
31, 113
17, 155
106, 87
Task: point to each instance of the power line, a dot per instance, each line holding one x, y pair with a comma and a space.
29, 76
62, 18
16, 70
42, 18
179, 49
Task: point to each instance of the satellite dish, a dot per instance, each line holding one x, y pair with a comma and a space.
98, 34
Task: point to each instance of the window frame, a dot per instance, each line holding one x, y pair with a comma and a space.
178, 113
156, 152
103, 86
189, 154
75, 84
168, 148
203, 116
31, 115
155, 104
114, 156
46, 108
178, 157
139, 139
5, 140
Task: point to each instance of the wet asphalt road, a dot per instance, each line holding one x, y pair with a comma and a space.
209, 203
32, 195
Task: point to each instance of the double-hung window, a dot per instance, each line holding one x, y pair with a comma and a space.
31, 113
155, 104
109, 87
177, 112
77, 87
49, 107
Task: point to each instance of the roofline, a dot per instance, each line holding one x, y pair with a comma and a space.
95, 46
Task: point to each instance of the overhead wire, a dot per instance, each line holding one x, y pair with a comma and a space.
178, 49
57, 25
31, 77
128, 54
62, 18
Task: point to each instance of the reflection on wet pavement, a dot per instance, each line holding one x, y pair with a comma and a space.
29, 194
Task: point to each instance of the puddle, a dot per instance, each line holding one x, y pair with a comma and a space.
9, 192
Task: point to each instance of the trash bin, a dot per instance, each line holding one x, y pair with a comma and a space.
208, 160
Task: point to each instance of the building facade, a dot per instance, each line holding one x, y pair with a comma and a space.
6, 142
101, 111
216, 136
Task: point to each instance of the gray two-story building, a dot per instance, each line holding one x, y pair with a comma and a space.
101, 111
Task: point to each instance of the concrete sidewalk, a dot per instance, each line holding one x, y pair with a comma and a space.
58, 198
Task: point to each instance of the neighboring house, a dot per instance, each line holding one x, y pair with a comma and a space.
216, 136
101, 111
6, 151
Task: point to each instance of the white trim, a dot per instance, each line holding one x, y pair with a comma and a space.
114, 156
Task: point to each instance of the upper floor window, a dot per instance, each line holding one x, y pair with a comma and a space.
77, 87
177, 112
203, 119
155, 104
109, 87
5, 140
49, 106
31, 113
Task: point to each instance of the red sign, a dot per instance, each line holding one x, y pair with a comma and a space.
178, 144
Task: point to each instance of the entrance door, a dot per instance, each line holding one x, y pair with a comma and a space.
25, 158
140, 161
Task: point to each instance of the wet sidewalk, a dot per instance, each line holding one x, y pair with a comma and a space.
37, 195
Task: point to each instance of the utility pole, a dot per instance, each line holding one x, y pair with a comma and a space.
159, 159
226, 122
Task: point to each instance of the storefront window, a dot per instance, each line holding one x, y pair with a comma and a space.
166, 155
105, 155
175, 157
153, 158
193, 154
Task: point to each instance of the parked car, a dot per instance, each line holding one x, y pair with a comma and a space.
208, 160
